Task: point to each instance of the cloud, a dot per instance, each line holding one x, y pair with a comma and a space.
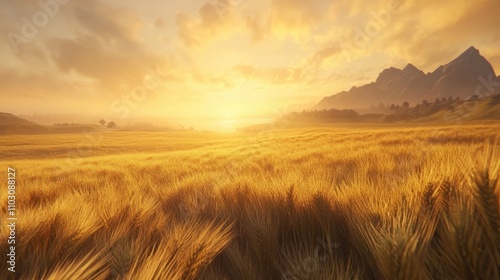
443, 30
426, 33
120, 24
97, 59
45, 92
210, 22
324, 54
277, 18
295, 17
104, 57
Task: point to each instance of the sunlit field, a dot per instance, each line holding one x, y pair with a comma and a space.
305, 203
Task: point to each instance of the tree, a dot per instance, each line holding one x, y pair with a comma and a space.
450, 99
443, 100
392, 107
406, 105
102, 122
437, 101
111, 124
425, 102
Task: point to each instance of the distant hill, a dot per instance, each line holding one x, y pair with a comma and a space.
445, 110
459, 78
11, 124
487, 108
448, 110
9, 119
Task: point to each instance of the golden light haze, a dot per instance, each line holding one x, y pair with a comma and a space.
221, 59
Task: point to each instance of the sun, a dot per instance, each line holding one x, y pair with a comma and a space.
228, 115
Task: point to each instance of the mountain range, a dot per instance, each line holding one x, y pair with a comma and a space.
467, 75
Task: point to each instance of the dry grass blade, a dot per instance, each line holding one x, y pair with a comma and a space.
91, 267
486, 190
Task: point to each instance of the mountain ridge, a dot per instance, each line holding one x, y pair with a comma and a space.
457, 78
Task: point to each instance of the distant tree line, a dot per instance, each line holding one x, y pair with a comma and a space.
397, 112
102, 122
425, 108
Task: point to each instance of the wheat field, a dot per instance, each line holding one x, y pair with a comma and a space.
306, 203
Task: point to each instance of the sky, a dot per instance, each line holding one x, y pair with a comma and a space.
221, 59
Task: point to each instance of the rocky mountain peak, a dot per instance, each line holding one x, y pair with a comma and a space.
410, 68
